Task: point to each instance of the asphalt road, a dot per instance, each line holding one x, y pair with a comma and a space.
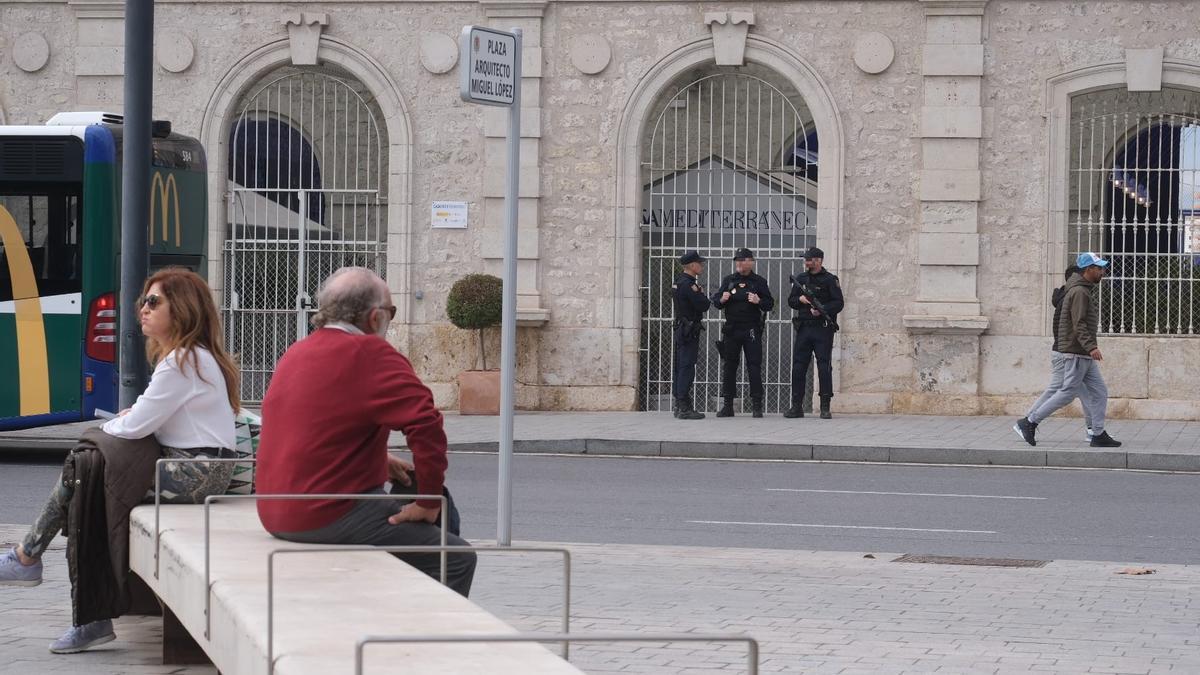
990, 512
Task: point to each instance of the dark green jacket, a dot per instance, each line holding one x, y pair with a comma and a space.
1080, 318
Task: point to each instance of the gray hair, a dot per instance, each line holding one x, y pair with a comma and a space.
348, 295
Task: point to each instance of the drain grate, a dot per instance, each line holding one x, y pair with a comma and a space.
980, 562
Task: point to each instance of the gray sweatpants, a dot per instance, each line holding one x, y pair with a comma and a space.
1058, 362
1080, 379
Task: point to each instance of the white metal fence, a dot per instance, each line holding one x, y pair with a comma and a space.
306, 171
731, 161
1135, 159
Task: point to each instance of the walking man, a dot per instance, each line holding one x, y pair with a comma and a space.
1057, 359
814, 329
690, 305
745, 299
1078, 325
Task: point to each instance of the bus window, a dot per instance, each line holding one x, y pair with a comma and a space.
47, 219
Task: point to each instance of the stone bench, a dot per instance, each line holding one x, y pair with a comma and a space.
324, 603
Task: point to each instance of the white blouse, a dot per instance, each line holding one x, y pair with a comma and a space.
182, 408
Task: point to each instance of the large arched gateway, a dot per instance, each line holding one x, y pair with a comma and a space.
306, 194
730, 161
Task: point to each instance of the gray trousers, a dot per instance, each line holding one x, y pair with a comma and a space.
1057, 363
366, 524
1080, 379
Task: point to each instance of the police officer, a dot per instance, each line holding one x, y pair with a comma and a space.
746, 299
814, 332
690, 305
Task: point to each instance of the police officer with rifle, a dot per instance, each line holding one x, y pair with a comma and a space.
745, 298
817, 298
690, 305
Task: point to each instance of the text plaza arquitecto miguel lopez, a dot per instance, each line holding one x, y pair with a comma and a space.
491, 78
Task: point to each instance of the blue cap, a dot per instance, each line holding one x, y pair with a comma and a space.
1090, 259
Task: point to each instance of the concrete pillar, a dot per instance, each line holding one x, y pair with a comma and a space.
99, 54
526, 15
946, 319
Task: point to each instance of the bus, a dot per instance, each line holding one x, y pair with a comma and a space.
60, 222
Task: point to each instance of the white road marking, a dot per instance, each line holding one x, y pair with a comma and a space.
907, 494
841, 527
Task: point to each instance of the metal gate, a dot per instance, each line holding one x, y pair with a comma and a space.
731, 161
306, 171
1134, 196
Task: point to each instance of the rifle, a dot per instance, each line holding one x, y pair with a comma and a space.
813, 302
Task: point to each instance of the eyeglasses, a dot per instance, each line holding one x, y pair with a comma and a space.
152, 301
390, 309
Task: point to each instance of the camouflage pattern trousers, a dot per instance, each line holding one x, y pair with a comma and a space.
181, 483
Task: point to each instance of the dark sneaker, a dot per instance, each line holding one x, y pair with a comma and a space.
756, 409
794, 412
1026, 430
13, 573
684, 410
1105, 441
82, 638
726, 410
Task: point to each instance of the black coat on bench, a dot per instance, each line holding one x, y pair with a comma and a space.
111, 476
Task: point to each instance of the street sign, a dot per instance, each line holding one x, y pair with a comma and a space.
488, 66
490, 61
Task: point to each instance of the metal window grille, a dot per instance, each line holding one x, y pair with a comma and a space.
730, 161
1134, 189
307, 167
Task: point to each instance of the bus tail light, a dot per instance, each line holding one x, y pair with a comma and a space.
102, 329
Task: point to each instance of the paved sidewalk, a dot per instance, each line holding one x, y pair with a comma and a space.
843, 613
811, 612
1149, 444
32, 618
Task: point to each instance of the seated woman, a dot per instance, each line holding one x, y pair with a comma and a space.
188, 407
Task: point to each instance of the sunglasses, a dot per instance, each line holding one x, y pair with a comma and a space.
391, 310
152, 301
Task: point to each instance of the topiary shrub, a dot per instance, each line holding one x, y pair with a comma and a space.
476, 302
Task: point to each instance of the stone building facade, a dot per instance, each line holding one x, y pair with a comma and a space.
950, 157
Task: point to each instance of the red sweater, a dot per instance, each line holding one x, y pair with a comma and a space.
332, 401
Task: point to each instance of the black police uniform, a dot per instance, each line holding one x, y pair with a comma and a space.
814, 335
690, 305
742, 332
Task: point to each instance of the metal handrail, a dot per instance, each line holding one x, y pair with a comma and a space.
211, 499
566, 554
751, 643
158, 489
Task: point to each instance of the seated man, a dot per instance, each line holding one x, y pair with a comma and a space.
333, 400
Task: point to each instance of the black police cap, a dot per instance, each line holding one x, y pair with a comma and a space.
814, 252
691, 257
743, 254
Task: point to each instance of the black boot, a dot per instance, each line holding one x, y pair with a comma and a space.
825, 414
686, 411
756, 407
727, 409
675, 407
795, 411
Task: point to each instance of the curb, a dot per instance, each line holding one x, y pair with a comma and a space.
41, 449
1079, 459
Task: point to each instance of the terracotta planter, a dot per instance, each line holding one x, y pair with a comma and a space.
479, 392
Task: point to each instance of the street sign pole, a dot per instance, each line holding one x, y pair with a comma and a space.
490, 62
135, 193
508, 337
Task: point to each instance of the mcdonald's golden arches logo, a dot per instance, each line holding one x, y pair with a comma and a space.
160, 190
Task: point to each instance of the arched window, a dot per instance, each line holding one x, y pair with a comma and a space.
1134, 159
274, 157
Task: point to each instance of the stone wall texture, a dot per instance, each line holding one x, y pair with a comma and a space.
580, 358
